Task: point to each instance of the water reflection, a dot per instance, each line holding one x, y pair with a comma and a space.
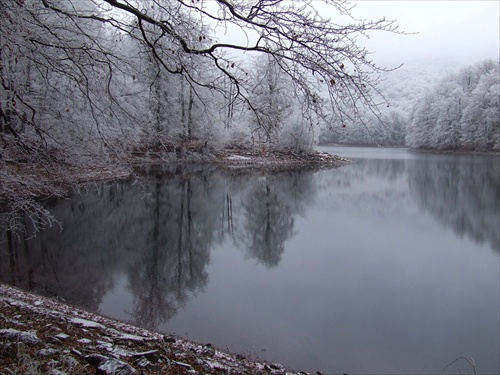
461, 192
158, 232
370, 185
349, 271
268, 210
176, 228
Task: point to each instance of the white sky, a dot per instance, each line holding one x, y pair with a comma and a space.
464, 31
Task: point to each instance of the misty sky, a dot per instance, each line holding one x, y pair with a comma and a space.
462, 32
459, 31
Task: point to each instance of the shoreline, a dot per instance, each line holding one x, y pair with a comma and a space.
22, 185
42, 335
416, 150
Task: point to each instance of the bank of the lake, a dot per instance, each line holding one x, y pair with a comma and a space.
22, 180
40, 335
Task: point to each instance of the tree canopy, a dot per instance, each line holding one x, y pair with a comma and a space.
77, 70
461, 112
86, 83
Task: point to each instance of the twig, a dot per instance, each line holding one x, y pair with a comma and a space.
469, 360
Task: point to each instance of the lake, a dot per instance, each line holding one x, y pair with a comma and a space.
386, 266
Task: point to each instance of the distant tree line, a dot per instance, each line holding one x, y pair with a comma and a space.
459, 112
462, 112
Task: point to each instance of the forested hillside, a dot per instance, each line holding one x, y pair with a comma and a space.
401, 88
461, 112
431, 105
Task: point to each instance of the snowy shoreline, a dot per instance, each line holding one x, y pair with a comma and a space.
42, 335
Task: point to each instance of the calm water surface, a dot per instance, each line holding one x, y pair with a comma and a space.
387, 266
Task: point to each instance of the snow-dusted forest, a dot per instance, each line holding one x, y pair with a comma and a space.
461, 112
432, 105
106, 79
90, 84
88, 77
93, 83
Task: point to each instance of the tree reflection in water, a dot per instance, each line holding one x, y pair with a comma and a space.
268, 224
140, 250
181, 219
461, 192
158, 233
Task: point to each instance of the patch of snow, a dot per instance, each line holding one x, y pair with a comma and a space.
115, 351
74, 351
46, 352
143, 362
237, 157
62, 336
184, 365
115, 366
27, 337
214, 365
149, 353
85, 323
128, 336
221, 355
55, 371
85, 341
104, 344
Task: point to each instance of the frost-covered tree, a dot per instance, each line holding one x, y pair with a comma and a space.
61, 81
80, 36
275, 110
461, 112
71, 91
449, 100
272, 98
423, 120
480, 122
402, 88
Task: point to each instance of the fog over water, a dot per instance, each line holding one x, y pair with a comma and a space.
389, 265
